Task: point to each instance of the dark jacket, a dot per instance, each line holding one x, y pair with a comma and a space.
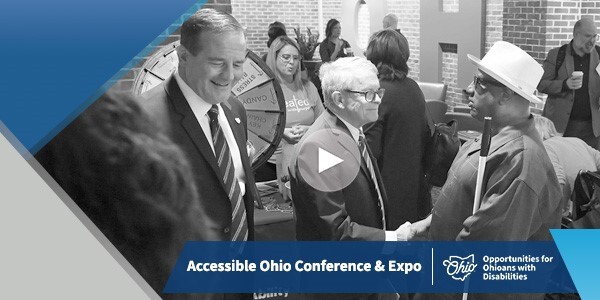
397, 140
559, 103
167, 106
327, 47
352, 213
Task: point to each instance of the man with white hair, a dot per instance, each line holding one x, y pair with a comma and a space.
521, 195
352, 211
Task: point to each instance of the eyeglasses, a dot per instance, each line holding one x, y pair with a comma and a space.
369, 95
286, 58
593, 37
481, 84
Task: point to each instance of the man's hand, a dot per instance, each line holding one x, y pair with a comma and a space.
574, 83
405, 232
421, 229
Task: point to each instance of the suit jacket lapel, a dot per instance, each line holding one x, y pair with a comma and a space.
569, 62
594, 79
338, 127
191, 124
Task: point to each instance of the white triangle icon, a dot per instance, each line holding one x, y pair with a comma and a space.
327, 160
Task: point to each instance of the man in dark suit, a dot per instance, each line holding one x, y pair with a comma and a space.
189, 107
573, 101
356, 211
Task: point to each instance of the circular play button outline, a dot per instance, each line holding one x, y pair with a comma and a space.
329, 160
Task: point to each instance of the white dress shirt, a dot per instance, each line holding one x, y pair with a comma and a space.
200, 109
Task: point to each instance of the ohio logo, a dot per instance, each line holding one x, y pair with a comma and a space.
459, 268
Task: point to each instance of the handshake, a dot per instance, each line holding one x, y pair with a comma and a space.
413, 232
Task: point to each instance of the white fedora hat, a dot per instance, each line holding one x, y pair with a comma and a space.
513, 67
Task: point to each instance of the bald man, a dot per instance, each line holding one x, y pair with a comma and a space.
573, 100
390, 21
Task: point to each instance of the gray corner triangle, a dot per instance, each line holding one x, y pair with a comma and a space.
50, 248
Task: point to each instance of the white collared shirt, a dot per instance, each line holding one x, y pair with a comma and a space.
355, 132
200, 109
390, 236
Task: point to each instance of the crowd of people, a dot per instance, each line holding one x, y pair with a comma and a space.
152, 173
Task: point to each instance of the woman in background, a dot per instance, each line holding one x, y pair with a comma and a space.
399, 135
334, 47
303, 103
132, 182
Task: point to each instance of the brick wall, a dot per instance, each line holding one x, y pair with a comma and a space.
524, 24
450, 6
363, 25
408, 12
493, 22
449, 77
561, 17
493, 33
536, 26
169, 35
256, 15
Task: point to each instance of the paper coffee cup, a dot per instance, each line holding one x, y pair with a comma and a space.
577, 74
350, 53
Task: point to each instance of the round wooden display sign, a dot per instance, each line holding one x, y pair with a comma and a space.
258, 90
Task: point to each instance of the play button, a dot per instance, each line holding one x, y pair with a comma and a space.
329, 160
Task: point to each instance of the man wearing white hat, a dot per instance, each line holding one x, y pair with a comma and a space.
521, 195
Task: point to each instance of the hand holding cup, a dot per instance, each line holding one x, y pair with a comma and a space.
576, 80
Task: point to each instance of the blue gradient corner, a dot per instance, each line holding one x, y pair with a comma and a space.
578, 248
60, 56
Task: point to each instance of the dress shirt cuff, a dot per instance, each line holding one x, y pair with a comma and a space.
390, 236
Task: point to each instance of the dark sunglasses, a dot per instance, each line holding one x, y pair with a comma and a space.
481, 85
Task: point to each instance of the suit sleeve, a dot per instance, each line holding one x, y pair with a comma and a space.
327, 210
550, 84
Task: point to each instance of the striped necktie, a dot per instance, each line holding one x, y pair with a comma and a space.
362, 145
239, 224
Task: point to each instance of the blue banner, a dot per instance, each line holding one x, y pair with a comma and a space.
356, 267
59, 56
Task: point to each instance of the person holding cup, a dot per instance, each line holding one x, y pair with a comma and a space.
572, 82
333, 46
